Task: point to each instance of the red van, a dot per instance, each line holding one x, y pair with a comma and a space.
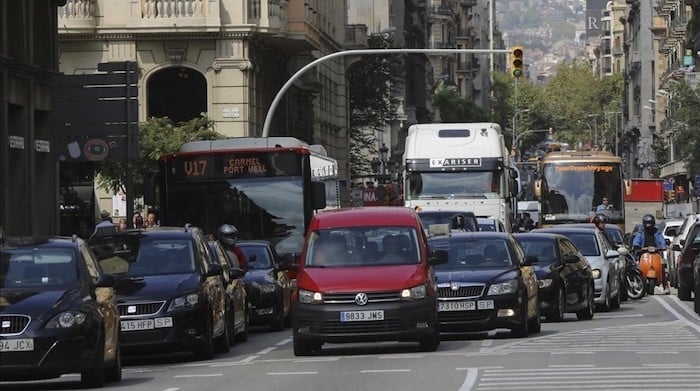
365, 275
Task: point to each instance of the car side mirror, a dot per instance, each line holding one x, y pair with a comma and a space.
612, 254
214, 270
623, 250
236, 273
667, 241
676, 247
438, 257
106, 281
530, 260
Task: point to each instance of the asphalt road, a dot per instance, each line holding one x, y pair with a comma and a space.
649, 344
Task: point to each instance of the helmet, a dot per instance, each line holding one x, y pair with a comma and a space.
228, 234
458, 221
648, 222
600, 218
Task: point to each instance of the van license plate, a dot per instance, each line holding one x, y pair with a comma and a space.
361, 316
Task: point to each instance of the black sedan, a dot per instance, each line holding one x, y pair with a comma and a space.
685, 263
237, 307
58, 313
564, 276
487, 283
268, 285
169, 293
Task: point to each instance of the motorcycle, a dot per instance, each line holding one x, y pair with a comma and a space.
633, 281
651, 266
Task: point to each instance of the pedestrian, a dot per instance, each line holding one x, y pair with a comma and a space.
105, 226
137, 220
604, 205
151, 221
122, 224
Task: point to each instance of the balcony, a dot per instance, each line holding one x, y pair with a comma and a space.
693, 79
441, 12
442, 45
78, 15
618, 51
467, 3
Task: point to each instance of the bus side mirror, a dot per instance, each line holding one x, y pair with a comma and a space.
150, 184
628, 187
318, 195
538, 188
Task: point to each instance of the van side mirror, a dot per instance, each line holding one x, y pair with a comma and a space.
318, 195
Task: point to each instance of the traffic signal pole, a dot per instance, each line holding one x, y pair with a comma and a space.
297, 74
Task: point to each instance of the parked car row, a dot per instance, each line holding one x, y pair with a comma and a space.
68, 305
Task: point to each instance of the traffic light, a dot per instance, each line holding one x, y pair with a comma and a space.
517, 61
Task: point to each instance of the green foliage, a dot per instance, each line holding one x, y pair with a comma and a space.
686, 123
372, 102
454, 108
157, 136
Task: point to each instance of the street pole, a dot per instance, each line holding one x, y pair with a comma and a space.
342, 53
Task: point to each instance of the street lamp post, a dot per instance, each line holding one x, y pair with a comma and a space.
595, 128
515, 124
617, 129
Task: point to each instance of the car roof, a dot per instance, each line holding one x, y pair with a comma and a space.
564, 230
485, 220
473, 236
380, 216
39, 241
254, 243
445, 212
524, 236
159, 232
608, 226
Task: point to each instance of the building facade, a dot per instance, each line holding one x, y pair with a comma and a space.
226, 58
28, 189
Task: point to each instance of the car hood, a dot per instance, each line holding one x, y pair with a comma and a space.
156, 287
35, 303
258, 275
596, 262
476, 276
370, 278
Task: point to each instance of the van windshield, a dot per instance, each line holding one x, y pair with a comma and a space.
362, 246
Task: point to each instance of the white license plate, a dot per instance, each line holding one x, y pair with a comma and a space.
361, 316
456, 306
146, 324
484, 304
17, 345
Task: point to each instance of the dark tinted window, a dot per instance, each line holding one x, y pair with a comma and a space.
475, 254
45, 267
147, 257
544, 249
258, 257
454, 133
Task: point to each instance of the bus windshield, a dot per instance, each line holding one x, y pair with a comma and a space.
572, 192
269, 208
451, 185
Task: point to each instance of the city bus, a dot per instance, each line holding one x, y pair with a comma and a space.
572, 184
268, 188
460, 167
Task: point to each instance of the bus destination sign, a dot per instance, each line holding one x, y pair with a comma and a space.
238, 165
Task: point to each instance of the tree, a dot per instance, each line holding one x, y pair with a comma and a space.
455, 108
686, 123
372, 102
157, 136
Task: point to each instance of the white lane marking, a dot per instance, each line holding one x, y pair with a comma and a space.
228, 364
172, 389
685, 308
291, 373
572, 352
284, 342
265, 351
200, 375
655, 352
385, 370
406, 356
667, 365
677, 314
249, 358
572, 366
466, 369
619, 316
322, 359
485, 345
470, 380
597, 370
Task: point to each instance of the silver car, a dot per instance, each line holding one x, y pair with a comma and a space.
604, 260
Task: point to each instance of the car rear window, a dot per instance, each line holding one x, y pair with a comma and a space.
585, 243
544, 250
471, 254
362, 246
258, 257
37, 267
148, 257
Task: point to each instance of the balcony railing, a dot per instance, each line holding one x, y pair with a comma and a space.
693, 79
78, 15
467, 3
268, 13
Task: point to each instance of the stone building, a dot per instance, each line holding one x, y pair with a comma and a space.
28, 199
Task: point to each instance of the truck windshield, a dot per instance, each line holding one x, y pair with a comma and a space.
450, 185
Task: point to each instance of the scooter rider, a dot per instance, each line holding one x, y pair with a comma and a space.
651, 237
228, 236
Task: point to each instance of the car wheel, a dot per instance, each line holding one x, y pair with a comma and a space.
222, 343
587, 313
535, 325
522, 330
95, 376
683, 292
556, 314
114, 373
431, 342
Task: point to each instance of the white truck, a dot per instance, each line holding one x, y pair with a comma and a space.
460, 167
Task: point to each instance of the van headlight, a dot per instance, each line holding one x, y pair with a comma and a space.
415, 293
503, 288
596, 274
183, 302
309, 297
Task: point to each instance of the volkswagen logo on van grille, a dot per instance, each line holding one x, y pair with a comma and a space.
361, 298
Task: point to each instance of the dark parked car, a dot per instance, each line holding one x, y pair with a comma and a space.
684, 264
237, 306
268, 286
58, 312
430, 217
487, 283
564, 276
169, 293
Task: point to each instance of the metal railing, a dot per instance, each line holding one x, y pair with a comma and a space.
77, 9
